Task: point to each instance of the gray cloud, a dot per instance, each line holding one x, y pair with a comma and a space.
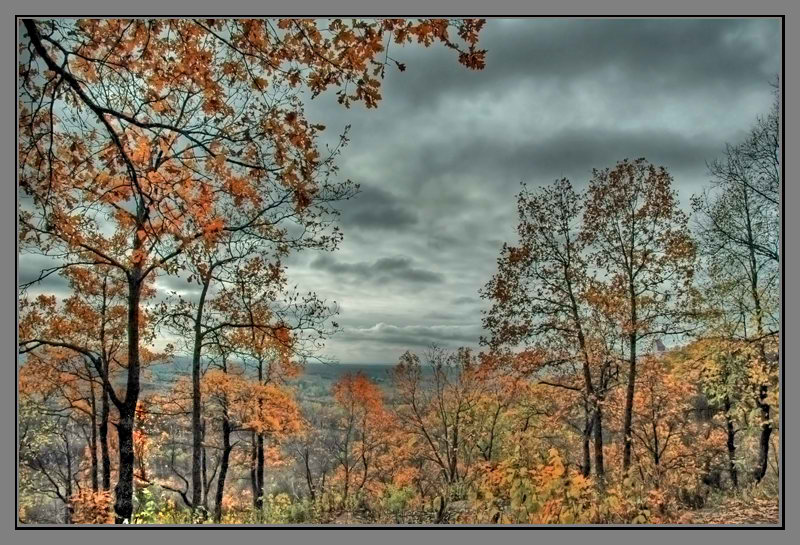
383, 270
557, 98
653, 57
377, 208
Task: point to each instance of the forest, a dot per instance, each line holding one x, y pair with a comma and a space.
629, 371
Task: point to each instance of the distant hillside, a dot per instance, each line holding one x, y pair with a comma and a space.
315, 381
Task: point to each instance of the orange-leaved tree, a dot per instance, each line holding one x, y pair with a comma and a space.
641, 244
135, 135
362, 427
540, 296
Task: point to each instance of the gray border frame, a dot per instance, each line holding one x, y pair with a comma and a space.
574, 8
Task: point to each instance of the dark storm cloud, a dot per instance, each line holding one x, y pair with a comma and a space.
383, 270
662, 55
571, 152
377, 208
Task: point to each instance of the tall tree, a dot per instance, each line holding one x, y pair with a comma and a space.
202, 319
91, 320
641, 244
135, 131
738, 225
539, 297
273, 331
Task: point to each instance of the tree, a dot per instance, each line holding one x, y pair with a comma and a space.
641, 242
134, 134
663, 410
48, 447
362, 426
78, 326
241, 290
738, 229
272, 330
539, 297
434, 405
311, 450
722, 376
90, 321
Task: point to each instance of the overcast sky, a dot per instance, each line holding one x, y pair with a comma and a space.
441, 159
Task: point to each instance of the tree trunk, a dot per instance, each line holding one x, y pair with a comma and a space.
628, 425
69, 509
104, 411
205, 471
260, 472
123, 506
197, 434
93, 442
731, 443
597, 425
223, 469
656, 454
599, 467
766, 427
586, 467
253, 464
766, 432
104, 454
309, 476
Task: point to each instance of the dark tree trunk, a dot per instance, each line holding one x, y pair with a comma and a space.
104, 406
253, 464
123, 506
205, 469
93, 442
628, 425
597, 424
656, 454
763, 441
69, 509
731, 443
586, 467
104, 454
197, 433
223, 469
260, 472
309, 476
258, 497
599, 467
766, 427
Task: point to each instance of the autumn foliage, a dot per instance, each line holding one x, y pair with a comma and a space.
629, 370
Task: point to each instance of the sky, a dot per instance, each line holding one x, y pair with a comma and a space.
441, 159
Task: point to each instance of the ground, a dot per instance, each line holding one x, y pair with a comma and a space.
738, 511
